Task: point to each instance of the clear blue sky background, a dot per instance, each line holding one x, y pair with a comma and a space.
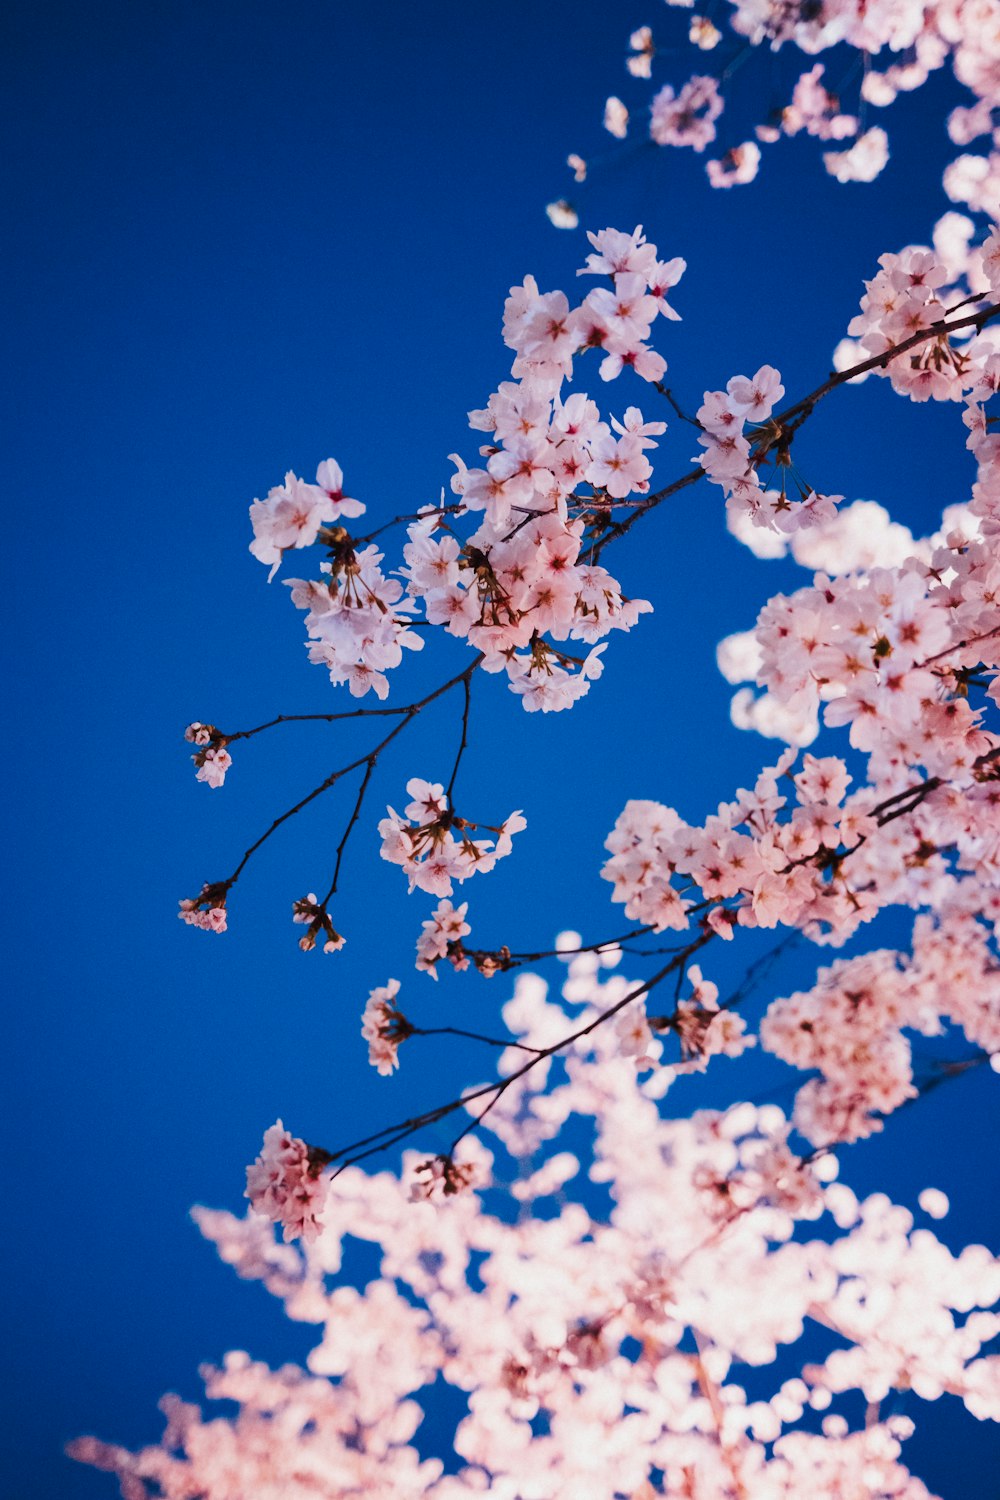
243, 237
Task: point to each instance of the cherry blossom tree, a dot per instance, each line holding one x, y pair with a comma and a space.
734, 1323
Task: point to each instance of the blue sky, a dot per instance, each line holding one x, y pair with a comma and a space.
243, 237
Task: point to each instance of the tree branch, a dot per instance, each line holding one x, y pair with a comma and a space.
408, 713
793, 416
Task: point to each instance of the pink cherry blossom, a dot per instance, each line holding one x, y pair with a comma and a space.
383, 1027
435, 847
687, 117
284, 1183
739, 165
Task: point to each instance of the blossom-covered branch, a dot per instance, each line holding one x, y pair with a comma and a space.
912, 41
208, 910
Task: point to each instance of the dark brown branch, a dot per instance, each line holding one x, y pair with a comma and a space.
677, 964
896, 806
439, 510
369, 768
665, 391
962, 645
407, 715
473, 1036
324, 786
530, 958
463, 743
351, 713
390, 1135
793, 416
530, 514
803, 408
622, 528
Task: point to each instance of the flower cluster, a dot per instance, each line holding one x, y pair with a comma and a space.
285, 1184
554, 468
916, 39
830, 865
911, 293
704, 1028
812, 109
522, 582
738, 165
294, 513
733, 458
441, 937
888, 658
850, 1026
384, 1027
442, 1177
357, 620
434, 845
206, 910
687, 117
211, 757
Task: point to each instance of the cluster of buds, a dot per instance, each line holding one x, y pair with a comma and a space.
313, 915
491, 961
211, 758
208, 909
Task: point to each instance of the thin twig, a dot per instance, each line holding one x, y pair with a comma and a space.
530, 958
352, 713
621, 528
467, 687
668, 393
324, 786
679, 962
369, 768
407, 715
438, 510
473, 1036
973, 640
